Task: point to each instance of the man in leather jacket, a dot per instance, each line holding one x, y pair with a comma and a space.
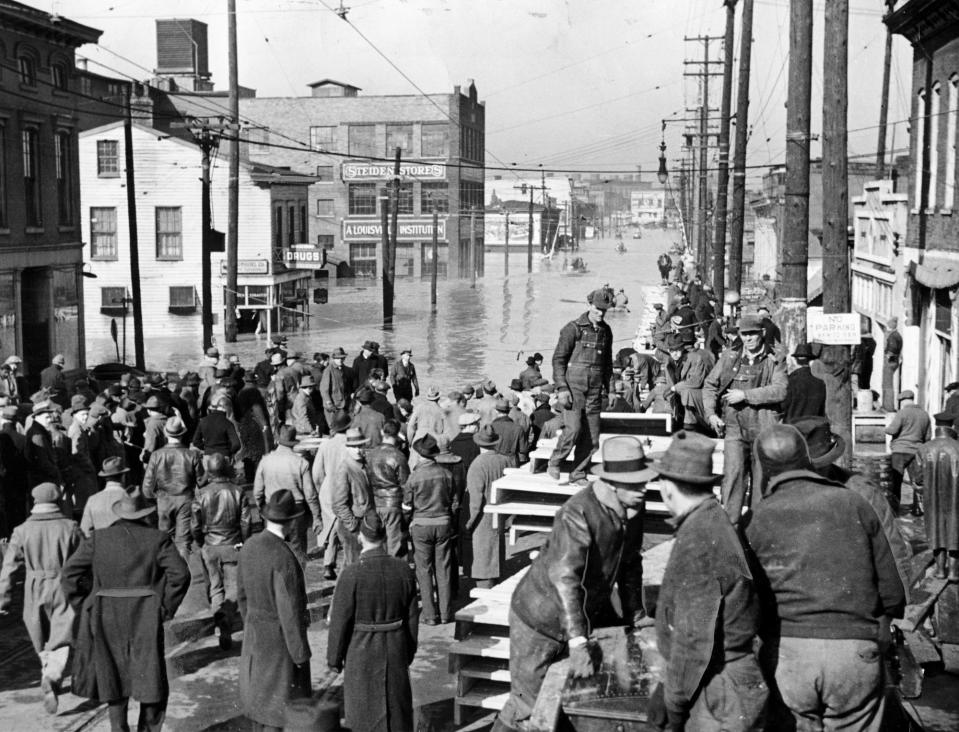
388, 471
595, 544
220, 524
170, 479
583, 366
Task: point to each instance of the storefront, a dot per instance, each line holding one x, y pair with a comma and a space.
414, 246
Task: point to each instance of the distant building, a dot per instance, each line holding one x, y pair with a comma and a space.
276, 262
41, 259
648, 208
514, 217
929, 298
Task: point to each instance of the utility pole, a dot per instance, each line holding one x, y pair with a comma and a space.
835, 211
134, 241
506, 259
472, 247
436, 264
884, 102
233, 200
389, 253
207, 141
795, 249
386, 203
702, 148
683, 203
722, 185
529, 246
739, 159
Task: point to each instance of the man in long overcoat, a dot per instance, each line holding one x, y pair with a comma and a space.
325, 466
485, 550
275, 666
374, 625
938, 462
41, 545
129, 578
351, 495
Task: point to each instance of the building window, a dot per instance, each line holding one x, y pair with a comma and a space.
86, 86
399, 136
112, 300
434, 141
304, 226
324, 207
426, 259
405, 256
103, 233
949, 197
182, 300
406, 198
325, 241
361, 140
362, 199
291, 225
108, 158
934, 147
321, 138
258, 142
169, 233
434, 193
278, 227
58, 75
4, 222
62, 151
363, 260
324, 173
921, 113
471, 195
471, 144
31, 177
27, 66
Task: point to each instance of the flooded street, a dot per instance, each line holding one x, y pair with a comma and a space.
486, 332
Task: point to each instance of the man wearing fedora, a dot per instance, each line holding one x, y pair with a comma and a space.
369, 359
707, 614
325, 465
41, 545
275, 666
402, 377
82, 456
485, 550
513, 442
125, 581
909, 428
805, 393
826, 577
366, 419
825, 448
374, 628
153, 435
428, 417
350, 497
432, 501
388, 471
38, 451
583, 366
303, 413
337, 386
98, 513
595, 545
286, 469
171, 479
746, 387
938, 474
220, 523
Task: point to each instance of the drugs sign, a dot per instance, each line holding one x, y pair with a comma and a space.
833, 329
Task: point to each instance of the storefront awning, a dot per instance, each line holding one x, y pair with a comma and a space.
935, 274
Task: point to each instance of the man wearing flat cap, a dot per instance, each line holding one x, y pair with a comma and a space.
583, 366
909, 428
125, 581
374, 628
741, 396
595, 545
707, 614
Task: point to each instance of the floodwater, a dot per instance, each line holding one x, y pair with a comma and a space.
486, 332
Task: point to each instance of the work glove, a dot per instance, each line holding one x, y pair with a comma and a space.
584, 660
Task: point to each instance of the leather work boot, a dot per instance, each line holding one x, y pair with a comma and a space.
940, 571
553, 472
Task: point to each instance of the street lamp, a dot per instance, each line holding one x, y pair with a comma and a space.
662, 173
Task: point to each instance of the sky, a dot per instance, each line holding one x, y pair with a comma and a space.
572, 85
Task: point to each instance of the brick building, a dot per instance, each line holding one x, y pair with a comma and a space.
932, 27
41, 283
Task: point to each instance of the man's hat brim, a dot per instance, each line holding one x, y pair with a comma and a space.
633, 476
280, 518
838, 448
121, 471
668, 472
120, 511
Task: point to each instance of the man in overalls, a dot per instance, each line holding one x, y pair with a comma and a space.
583, 366
751, 383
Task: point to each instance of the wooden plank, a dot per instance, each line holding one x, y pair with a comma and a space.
923, 649
548, 707
923, 598
485, 694
484, 668
490, 646
640, 424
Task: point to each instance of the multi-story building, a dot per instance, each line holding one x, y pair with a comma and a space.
41, 261
275, 261
928, 301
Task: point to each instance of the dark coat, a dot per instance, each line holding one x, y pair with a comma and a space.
40, 457
129, 578
939, 467
373, 631
363, 366
486, 554
276, 653
216, 433
512, 440
805, 395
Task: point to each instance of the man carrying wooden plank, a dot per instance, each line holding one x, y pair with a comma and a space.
595, 543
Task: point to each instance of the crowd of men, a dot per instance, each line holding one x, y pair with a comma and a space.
109, 491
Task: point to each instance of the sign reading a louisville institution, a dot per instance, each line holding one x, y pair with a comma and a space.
384, 171
833, 329
415, 229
